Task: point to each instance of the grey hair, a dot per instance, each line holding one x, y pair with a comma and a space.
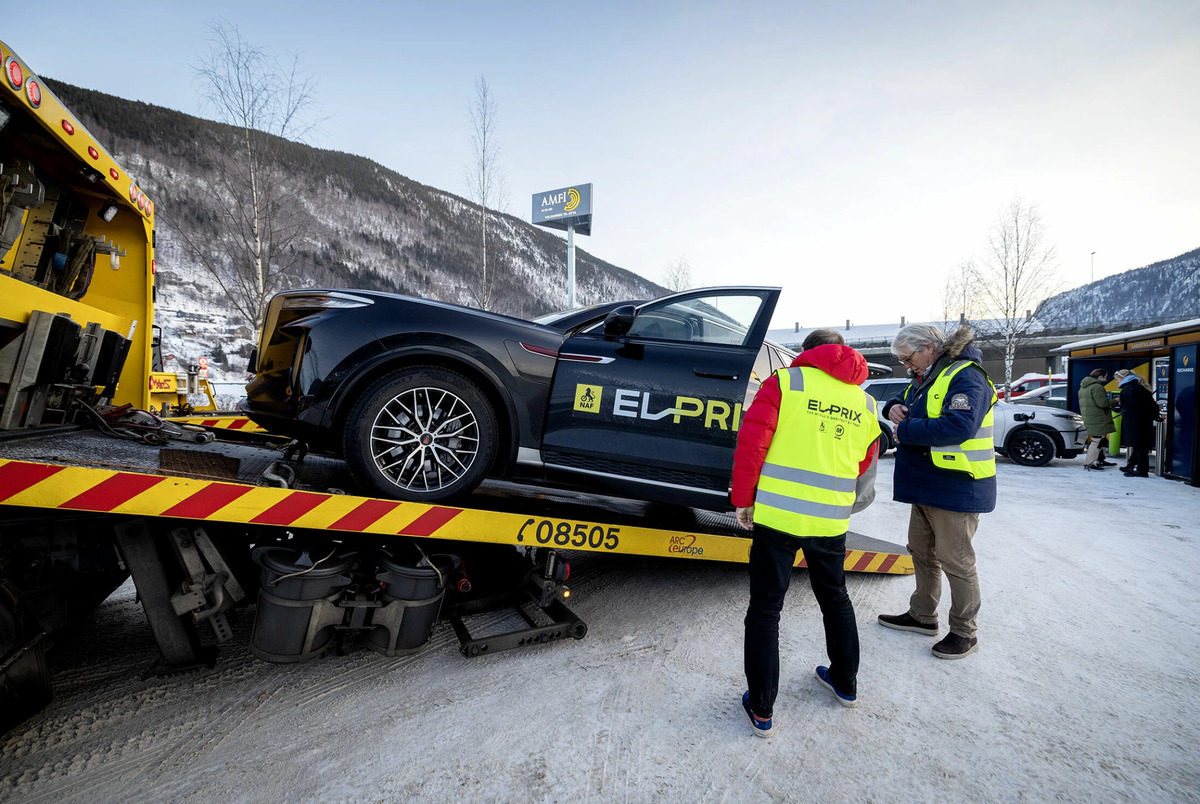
917, 336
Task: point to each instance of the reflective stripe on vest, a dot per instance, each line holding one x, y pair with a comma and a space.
807, 483
975, 456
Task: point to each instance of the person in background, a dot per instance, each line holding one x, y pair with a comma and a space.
946, 468
805, 460
1140, 412
1096, 409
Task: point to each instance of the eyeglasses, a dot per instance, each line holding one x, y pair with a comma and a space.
908, 360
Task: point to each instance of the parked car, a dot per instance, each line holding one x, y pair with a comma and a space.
1053, 396
425, 399
1029, 436
885, 389
1026, 383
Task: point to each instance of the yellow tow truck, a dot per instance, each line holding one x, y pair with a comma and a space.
105, 474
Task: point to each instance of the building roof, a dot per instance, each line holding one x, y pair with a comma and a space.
873, 334
1121, 337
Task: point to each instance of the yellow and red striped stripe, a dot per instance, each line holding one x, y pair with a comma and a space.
240, 423
78, 488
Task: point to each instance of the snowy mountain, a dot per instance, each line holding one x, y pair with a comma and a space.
1160, 293
362, 226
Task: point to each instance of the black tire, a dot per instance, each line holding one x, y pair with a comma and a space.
25, 684
422, 434
886, 442
1030, 448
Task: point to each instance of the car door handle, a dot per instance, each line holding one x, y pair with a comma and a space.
715, 375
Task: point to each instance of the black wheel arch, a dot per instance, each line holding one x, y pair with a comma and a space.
485, 379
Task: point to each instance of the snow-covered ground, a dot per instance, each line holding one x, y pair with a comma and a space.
1086, 687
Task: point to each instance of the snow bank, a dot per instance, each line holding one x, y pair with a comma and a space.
1084, 687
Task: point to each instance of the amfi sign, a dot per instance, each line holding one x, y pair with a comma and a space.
566, 206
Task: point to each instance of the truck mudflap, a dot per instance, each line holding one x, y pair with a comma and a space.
525, 518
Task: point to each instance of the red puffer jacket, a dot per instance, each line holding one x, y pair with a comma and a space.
758, 427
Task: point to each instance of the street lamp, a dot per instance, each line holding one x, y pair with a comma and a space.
1093, 283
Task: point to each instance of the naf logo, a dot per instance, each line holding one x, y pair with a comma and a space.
587, 397
835, 411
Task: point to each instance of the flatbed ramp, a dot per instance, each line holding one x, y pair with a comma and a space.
81, 470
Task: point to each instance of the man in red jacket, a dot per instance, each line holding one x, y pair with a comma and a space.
805, 460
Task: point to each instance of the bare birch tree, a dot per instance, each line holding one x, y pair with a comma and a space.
1017, 273
960, 302
486, 184
678, 275
258, 211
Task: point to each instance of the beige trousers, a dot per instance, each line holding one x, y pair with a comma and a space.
940, 541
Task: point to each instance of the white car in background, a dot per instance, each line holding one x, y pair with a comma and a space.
1030, 435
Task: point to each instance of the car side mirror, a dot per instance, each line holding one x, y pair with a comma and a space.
618, 322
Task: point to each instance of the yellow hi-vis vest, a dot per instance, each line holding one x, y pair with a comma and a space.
976, 455
807, 483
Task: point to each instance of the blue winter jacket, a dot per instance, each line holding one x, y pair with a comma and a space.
917, 480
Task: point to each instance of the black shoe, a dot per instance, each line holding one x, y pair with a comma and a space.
1093, 467
906, 622
1105, 463
955, 647
1137, 474
1126, 468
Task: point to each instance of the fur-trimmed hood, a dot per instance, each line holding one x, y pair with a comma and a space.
958, 341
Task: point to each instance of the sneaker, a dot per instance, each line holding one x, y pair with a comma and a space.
842, 698
955, 646
762, 728
1105, 463
1094, 466
906, 622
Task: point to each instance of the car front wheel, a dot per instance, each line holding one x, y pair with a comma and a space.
1030, 448
423, 434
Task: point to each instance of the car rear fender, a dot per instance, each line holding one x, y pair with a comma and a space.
487, 379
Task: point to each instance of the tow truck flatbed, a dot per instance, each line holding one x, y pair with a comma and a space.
81, 470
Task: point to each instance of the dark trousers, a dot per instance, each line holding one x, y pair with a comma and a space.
1139, 460
772, 554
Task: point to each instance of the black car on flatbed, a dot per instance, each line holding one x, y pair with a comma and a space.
425, 399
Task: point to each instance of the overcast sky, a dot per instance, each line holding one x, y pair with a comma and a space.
853, 153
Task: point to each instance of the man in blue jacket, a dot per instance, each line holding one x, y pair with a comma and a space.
946, 468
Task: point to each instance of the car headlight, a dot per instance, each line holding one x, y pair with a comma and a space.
1073, 417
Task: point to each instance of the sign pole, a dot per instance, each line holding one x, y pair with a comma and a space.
571, 266
571, 209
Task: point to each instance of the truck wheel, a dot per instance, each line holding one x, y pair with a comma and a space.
423, 434
1030, 448
24, 678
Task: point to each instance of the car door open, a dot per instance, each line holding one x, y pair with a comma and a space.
654, 412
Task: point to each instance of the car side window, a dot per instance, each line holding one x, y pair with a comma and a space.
717, 319
884, 391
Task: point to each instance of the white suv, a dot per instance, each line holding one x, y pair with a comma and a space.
1027, 434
